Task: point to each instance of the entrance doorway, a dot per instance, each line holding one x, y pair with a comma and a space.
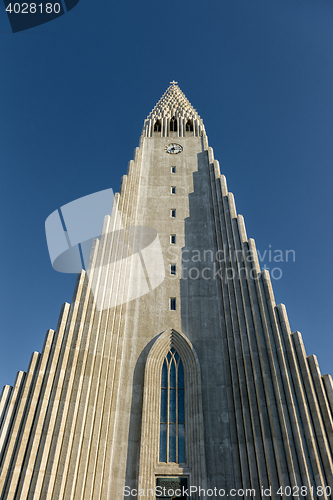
169, 487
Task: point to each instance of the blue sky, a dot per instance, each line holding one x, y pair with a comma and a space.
75, 92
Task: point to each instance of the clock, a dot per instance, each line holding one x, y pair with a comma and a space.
173, 149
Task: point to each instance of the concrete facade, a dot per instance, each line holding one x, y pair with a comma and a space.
83, 422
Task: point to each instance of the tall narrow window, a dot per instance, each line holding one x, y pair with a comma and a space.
189, 126
173, 213
157, 126
173, 189
173, 170
173, 269
173, 124
172, 420
172, 239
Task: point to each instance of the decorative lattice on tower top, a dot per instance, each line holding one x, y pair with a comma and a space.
173, 113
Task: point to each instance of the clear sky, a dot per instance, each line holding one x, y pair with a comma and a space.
75, 92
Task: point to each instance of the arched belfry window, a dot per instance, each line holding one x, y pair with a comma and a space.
172, 419
157, 126
189, 126
173, 124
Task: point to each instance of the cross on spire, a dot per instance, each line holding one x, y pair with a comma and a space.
174, 83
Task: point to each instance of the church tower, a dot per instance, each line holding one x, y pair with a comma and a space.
173, 366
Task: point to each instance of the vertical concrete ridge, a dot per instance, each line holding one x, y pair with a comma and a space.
312, 456
105, 226
122, 184
10, 413
217, 171
232, 206
117, 352
249, 342
253, 257
30, 463
248, 328
94, 376
328, 384
80, 450
236, 476
238, 289
18, 458
47, 413
99, 371
101, 478
4, 401
93, 256
63, 385
322, 398
264, 340
239, 396
136, 154
241, 228
17, 423
249, 297
224, 187
285, 351
325, 475
291, 426
76, 400
210, 152
289, 467
263, 373
130, 167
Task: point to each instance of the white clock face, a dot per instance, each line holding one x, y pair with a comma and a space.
173, 149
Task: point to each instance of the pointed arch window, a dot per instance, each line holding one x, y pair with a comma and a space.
173, 124
157, 126
172, 419
189, 126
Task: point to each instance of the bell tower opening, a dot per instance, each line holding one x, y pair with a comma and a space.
157, 126
173, 124
189, 126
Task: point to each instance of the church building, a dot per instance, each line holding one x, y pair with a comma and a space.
173, 373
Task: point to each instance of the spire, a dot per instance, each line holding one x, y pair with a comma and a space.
174, 103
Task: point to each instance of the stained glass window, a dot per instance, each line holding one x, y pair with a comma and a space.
172, 419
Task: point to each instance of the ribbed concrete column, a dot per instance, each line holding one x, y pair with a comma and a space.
4, 400
10, 410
